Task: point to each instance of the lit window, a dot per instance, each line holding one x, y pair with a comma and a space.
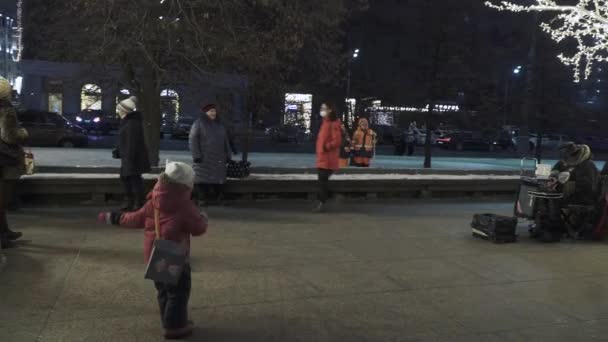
90, 97
169, 104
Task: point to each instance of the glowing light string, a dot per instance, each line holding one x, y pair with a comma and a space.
586, 23
19, 31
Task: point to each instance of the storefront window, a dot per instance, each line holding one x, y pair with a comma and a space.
90, 97
298, 110
55, 91
169, 105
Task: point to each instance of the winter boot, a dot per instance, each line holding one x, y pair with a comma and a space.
12, 236
179, 334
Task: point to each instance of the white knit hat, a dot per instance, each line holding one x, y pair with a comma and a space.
180, 173
127, 106
6, 90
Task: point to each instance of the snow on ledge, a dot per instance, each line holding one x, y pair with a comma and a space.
287, 177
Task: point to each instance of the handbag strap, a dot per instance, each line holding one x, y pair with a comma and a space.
157, 223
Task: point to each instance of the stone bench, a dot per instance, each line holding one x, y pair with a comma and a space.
99, 188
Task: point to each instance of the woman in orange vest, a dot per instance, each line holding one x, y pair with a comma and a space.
364, 144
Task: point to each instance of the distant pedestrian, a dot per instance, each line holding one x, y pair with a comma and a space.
132, 153
328, 152
345, 149
179, 219
12, 162
364, 144
210, 147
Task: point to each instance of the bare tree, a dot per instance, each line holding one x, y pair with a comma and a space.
156, 42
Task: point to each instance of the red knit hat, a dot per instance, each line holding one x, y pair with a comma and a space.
208, 107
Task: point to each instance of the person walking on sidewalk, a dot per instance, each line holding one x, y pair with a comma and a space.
12, 162
132, 153
328, 146
179, 220
210, 152
364, 144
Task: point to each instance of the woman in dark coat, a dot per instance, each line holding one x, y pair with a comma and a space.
12, 161
132, 153
210, 147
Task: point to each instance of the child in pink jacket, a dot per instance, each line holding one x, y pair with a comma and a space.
179, 219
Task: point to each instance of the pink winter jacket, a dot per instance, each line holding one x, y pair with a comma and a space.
179, 217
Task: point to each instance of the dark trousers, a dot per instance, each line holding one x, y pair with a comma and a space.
210, 192
11, 194
324, 184
173, 301
134, 191
3, 209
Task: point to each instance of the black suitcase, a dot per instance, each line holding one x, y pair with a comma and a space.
496, 228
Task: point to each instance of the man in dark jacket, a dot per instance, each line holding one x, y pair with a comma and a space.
582, 187
133, 153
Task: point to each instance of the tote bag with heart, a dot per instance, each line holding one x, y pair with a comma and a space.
167, 260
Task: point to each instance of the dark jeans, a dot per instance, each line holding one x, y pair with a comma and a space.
210, 192
324, 184
134, 191
3, 209
173, 301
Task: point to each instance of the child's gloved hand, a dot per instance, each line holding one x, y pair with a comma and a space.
110, 217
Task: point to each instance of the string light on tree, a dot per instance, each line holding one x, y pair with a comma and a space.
586, 23
19, 30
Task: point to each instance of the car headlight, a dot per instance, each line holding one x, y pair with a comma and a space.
79, 119
97, 119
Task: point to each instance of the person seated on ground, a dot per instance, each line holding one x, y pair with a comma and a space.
576, 175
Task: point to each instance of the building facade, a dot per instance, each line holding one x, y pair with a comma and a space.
70, 88
11, 45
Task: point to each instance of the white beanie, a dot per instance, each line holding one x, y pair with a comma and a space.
6, 90
127, 106
180, 173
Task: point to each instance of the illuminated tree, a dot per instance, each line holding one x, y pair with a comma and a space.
586, 23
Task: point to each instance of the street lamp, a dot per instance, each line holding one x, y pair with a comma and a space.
350, 63
516, 72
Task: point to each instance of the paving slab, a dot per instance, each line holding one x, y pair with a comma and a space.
271, 271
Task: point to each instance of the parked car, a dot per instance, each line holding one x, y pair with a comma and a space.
51, 129
504, 141
286, 133
461, 141
95, 121
181, 128
420, 136
386, 134
549, 141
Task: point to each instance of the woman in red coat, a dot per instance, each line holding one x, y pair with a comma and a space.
328, 151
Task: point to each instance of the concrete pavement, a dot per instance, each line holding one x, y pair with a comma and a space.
272, 272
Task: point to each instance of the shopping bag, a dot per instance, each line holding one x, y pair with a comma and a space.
168, 258
29, 164
238, 169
